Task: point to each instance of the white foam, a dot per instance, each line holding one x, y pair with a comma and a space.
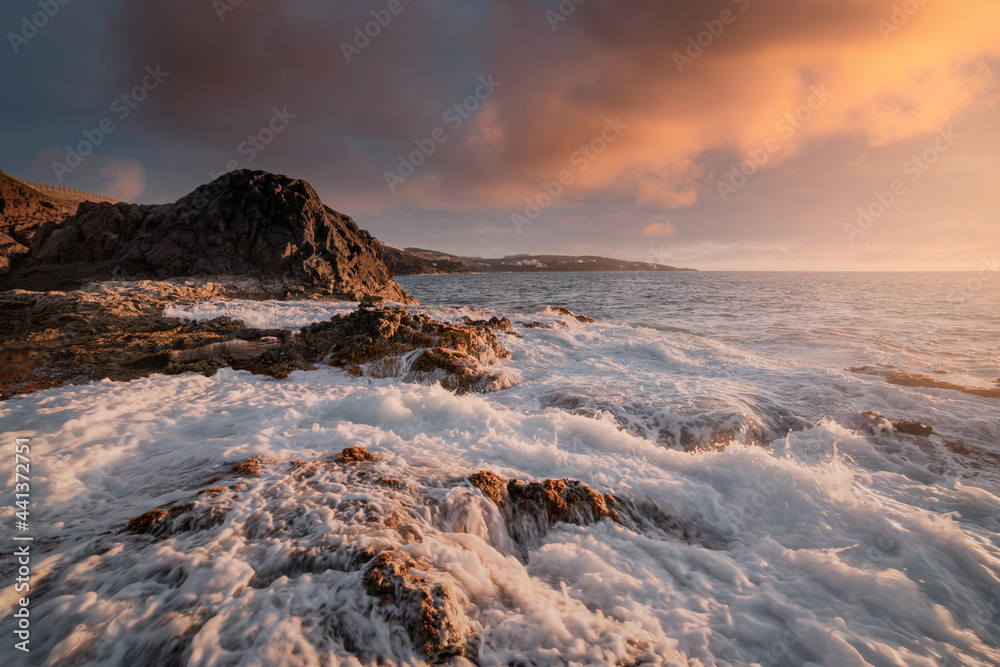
827, 547
797, 550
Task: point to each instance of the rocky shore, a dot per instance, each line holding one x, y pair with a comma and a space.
117, 330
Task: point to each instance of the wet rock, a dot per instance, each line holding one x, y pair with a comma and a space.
151, 522
530, 508
117, 330
560, 310
106, 330
872, 422
498, 323
189, 517
535, 325
391, 342
252, 467
912, 427
355, 455
429, 611
908, 379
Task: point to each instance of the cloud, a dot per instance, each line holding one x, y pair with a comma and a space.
658, 229
126, 180
605, 61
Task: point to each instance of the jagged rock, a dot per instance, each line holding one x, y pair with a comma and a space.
561, 310
252, 467
429, 611
22, 211
391, 342
109, 330
355, 454
530, 508
169, 519
117, 330
245, 223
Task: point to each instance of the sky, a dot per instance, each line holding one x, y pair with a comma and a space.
725, 134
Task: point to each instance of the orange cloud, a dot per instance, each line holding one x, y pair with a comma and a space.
658, 229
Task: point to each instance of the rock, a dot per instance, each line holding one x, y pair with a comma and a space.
117, 330
908, 379
531, 508
560, 310
252, 467
169, 519
22, 211
355, 455
429, 611
912, 427
391, 342
245, 223
109, 330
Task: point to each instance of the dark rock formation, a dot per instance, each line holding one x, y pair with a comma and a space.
245, 223
913, 427
562, 310
118, 331
390, 342
531, 508
22, 211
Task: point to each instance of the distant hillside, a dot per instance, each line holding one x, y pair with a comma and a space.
404, 263
416, 261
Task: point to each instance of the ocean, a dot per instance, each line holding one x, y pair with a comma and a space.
795, 512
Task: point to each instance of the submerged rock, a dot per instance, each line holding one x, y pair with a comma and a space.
431, 613
908, 379
912, 427
531, 508
561, 310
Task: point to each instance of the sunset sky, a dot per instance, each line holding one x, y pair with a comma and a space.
840, 101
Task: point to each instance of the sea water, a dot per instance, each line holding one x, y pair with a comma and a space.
814, 532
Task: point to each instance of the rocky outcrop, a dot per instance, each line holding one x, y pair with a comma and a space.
117, 330
22, 211
384, 342
245, 223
